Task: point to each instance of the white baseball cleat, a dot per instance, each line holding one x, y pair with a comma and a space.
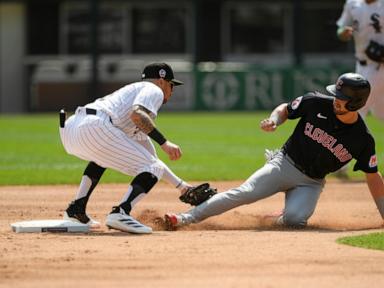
119, 220
172, 221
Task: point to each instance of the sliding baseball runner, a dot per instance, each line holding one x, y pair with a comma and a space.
329, 134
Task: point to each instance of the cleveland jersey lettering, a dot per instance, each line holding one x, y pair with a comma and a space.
323, 144
327, 141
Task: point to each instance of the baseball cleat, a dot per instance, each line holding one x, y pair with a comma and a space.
172, 221
119, 220
275, 218
76, 214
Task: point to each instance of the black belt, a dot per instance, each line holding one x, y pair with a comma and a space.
90, 111
63, 115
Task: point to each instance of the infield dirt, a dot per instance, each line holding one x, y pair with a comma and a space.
237, 249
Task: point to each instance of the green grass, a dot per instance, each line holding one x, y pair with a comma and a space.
370, 241
216, 146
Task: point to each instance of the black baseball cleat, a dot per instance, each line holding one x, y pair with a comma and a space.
77, 213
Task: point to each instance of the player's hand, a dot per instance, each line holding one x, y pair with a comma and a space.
268, 125
346, 34
173, 151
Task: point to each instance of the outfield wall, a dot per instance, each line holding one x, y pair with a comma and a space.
257, 88
208, 86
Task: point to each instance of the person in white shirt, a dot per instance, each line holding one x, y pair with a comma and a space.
113, 132
363, 20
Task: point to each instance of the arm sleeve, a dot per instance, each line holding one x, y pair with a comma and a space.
150, 98
299, 106
367, 160
346, 17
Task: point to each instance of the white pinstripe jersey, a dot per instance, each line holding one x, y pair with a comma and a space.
118, 105
367, 21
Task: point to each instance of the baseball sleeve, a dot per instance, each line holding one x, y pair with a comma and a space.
367, 160
298, 107
150, 98
346, 17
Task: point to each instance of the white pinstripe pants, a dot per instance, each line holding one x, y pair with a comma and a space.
94, 138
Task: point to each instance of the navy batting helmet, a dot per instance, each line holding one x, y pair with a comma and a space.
351, 87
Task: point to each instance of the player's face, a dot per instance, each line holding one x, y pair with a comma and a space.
168, 88
339, 106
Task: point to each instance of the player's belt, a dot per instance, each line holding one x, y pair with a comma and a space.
90, 111
86, 111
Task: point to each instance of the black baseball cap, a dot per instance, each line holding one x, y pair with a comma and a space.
160, 70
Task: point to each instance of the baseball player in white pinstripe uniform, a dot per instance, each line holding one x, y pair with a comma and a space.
113, 132
363, 20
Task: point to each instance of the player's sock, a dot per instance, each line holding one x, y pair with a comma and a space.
183, 186
140, 185
91, 177
171, 178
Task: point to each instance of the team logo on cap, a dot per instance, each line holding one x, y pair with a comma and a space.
339, 83
162, 73
373, 161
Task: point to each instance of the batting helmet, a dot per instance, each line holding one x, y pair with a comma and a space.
351, 87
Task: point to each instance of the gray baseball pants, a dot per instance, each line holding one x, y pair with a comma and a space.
278, 174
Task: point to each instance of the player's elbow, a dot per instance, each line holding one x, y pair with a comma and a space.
135, 117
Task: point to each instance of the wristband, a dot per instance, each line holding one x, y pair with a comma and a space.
157, 136
276, 119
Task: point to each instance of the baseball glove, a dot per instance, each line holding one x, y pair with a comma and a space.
375, 52
197, 195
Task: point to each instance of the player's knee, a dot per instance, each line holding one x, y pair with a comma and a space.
294, 220
145, 181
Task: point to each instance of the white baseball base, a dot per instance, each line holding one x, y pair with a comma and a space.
38, 226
